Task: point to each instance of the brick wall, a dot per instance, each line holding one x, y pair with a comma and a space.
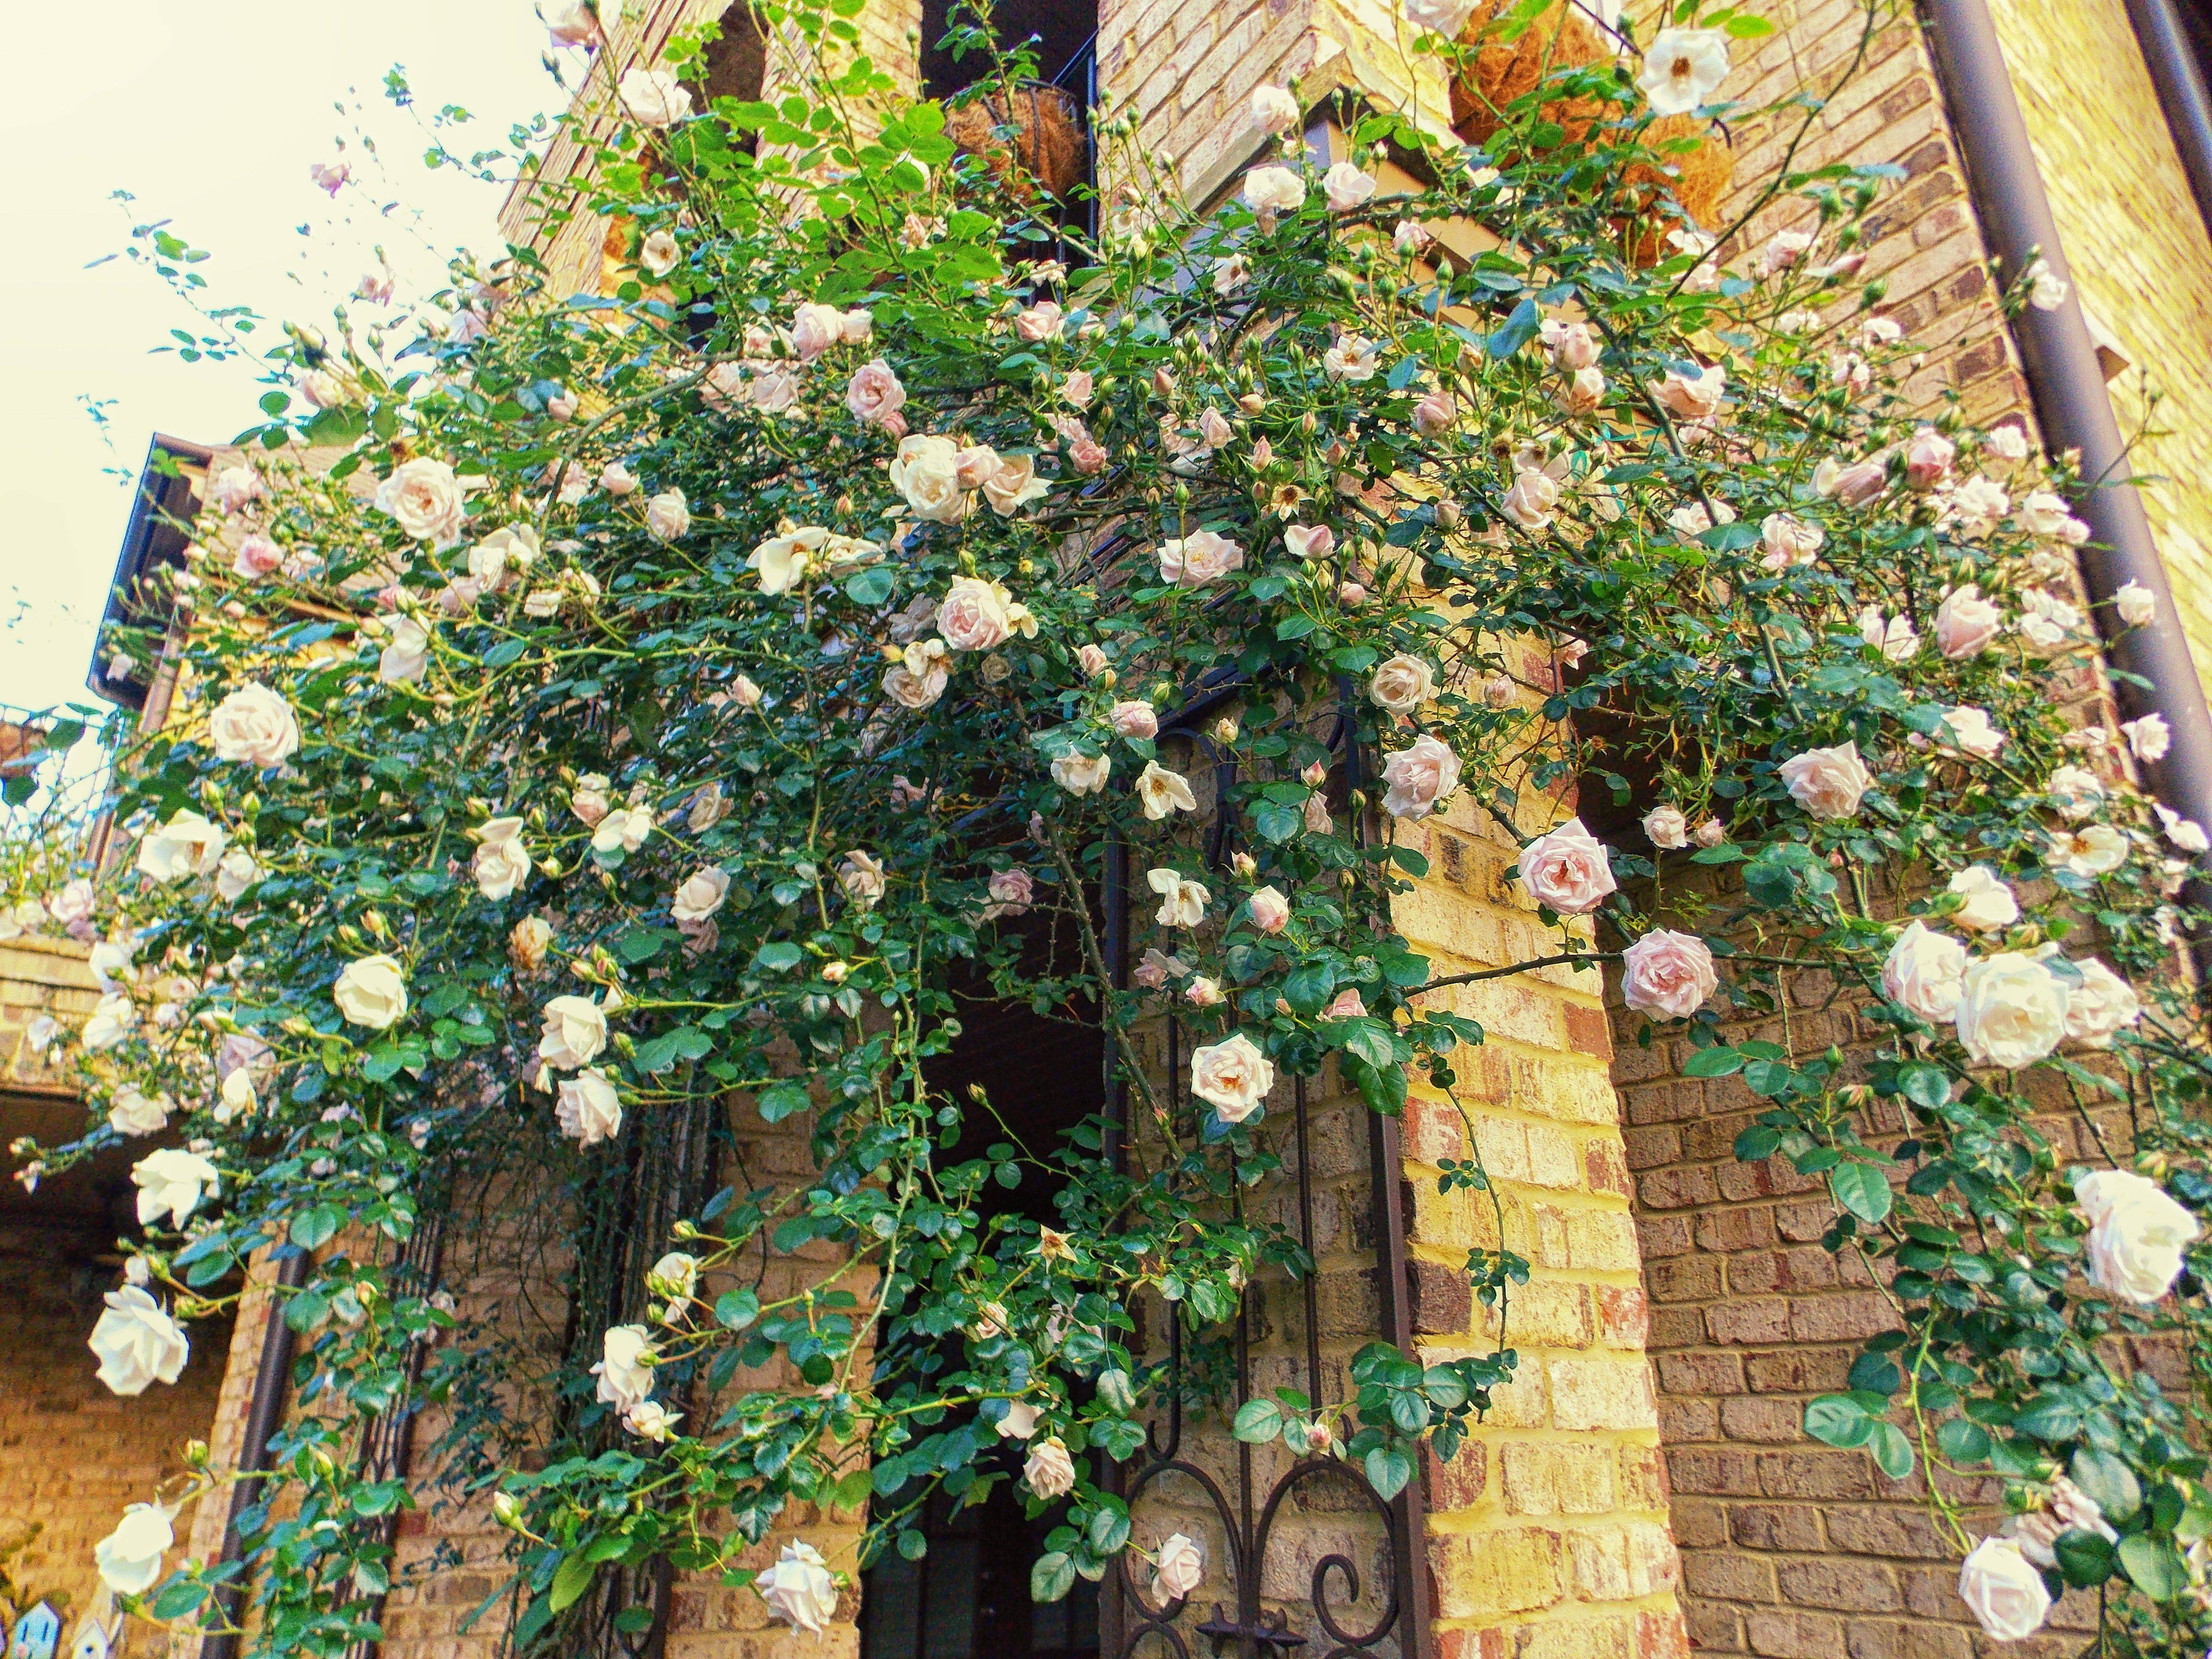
2141, 258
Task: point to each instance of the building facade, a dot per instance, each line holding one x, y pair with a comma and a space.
1645, 1485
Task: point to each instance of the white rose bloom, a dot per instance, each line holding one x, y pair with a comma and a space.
1925, 971
502, 862
1234, 1077
1178, 1568
2136, 604
2148, 738
2003, 1591
1444, 17
701, 894
424, 498
1988, 901
589, 1111
2079, 790
253, 725
1667, 827
1346, 187
129, 1558
2136, 1234
171, 1181
575, 1031
799, 1589
625, 827
73, 902
1967, 730
667, 515
236, 1099
1182, 901
1683, 68
2102, 1006
138, 1344
2098, 850
1273, 108
1895, 637
926, 471
1274, 189
654, 97
675, 1279
187, 845
651, 1421
372, 992
625, 1367
1162, 792
2012, 1010
1402, 684
112, 1018
133, 1112
1049, 1472
235, 872
1828, 783
1081, 775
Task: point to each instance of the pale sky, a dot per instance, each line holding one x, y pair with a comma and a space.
210, 114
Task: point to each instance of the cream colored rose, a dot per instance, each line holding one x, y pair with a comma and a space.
171, 1181
1233, 1077
625, 1366
1134, 718
1668, 975
2012, 1010
1966, 623
1274, 189
973, 615
1416, 778
588, 800
1020, 1421
623, 828
1893, 637
528, 942
1529, 501
861, 876
372, 992
589, 1110
1925, 971
918, 679
667, 515
502, 862
799, 1589
1202, 556
1270, 910
1692, 397
406, 658
927, 472
651, 1421
253, 725
1013, 485
1989, 903
2005, 1593
1828, 783
187, 845
654, 97
1162, 792
138, 1344
2097, 850
1568, 869
1182, 900
701, 894
1049, 1471
1178, 1567
129, 1558
236, 1099
134, 1112
1402, 683
675, 1279
2136, 1234
658, 253
1666, 827
424, 499
2102, 1006
1081, 775
573, 1033
814, 329
1788, 540
1309, 541
1966, 729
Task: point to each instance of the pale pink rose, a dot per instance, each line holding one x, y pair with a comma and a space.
2135, 603
1271, 911
1039, 322
1966, 623
1092, 661
617, 479
1417, 777
1692, 399
1924, 970
1274, 109
1668, 975
973, 615
1894, 636
1308, 542
571, 23
1582, 393
1973, 508
874, 394
1666, 828
972, 464
1348, 1005
1200, 557
1712, 833
233, 486
1346, 187
1529, 503
1788, 540
1011, 892
1077, 388
1213, 426
814, 329
1966, 729
1402, 683
857, 326
1204, 991
1928, 458
1437, 413
1157, 969
1134, 719
1232, 1077
1828, 783
2007, 443
258, 555
330, 175
1861, 483
1568, 869
1410, 238
1571, 347
1272, 189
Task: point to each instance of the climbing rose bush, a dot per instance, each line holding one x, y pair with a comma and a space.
654, 707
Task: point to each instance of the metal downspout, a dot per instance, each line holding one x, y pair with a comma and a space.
2181, 93
2071, 405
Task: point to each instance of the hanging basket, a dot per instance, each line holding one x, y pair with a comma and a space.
1029, 136
1561, 38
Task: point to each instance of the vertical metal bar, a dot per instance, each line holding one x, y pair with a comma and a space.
1311, 1288
1387, 1169
1114, 904
262, 1413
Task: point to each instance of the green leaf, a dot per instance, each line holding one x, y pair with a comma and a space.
735, 1310
1863, 1189
1925, 1085
574, 1578
2109, 1481
315, 1229
871, 586
782, 1100
1517, 331
2155, 1565
1717, 1061
2085, 1560
1389, 1470
1837, 1419
1052, 1577
1258, 1421
1962, 1441
1893, 1452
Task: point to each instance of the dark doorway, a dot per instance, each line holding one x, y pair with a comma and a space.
735, 65
1063, 29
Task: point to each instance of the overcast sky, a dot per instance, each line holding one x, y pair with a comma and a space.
211, 115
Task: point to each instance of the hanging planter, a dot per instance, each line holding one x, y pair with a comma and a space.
1560, 39
1028, 134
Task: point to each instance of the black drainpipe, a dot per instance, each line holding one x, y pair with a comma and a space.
262, 1413
2070, 402
2180, 83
